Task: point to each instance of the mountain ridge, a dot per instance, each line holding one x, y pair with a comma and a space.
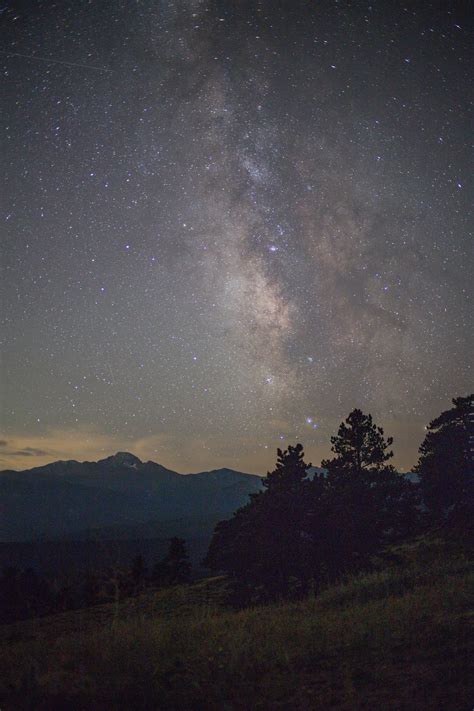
120, 458
62, 497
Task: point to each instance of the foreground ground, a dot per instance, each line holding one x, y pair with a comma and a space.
399, 638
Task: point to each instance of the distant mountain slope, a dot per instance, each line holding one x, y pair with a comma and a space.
65, 498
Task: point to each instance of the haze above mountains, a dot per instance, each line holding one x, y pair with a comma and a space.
116, 497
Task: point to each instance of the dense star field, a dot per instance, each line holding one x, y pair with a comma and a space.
227, 224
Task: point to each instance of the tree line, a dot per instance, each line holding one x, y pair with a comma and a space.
302, 531
27, 593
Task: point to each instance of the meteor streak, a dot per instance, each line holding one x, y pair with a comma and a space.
56, 61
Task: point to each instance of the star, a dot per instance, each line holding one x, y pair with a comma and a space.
198, 199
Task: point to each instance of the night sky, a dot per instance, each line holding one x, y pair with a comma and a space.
227, 224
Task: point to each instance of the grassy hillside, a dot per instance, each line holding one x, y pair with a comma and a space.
398, 638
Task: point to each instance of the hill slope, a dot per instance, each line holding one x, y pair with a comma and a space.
398, 639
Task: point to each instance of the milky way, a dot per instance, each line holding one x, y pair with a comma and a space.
228, 224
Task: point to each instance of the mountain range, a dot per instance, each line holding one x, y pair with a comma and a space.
116, 497
71, 515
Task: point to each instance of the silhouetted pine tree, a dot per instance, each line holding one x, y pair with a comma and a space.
264, 544
175, 568
359, 445
177, 561
289, 472
138, 574
445, 466
367, 503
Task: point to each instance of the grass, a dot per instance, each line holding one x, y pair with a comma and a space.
398, 638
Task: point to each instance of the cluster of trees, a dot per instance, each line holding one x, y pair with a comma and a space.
303, 531
173, 569
25, 593
115, 584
